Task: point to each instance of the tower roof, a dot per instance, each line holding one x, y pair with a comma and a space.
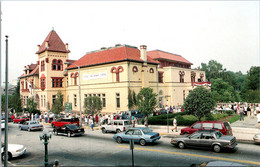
52, 43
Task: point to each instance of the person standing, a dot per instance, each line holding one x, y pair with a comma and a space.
258, 119
174, 125
91, 122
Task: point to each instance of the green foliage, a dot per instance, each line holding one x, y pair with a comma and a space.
57, 106
92, 105
132, 102
31, 105
234, 118
146, 101
162, 119
15, 100
230, 112
199, 102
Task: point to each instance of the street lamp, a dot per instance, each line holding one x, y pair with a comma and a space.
80, 120
46, 135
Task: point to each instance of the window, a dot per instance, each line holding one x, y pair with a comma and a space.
218, 126
42, 65
75, 100
53, 98
85, 96
137, 132
181, 73
160, 77
130, 132
117, 100
41, 101
22, 85
57, 82
183, 95
195, 136
54, 64
59, 65
207, 125
44, 101
104, 100
42, 82
197, 126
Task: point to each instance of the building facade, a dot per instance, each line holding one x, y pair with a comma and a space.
108, 73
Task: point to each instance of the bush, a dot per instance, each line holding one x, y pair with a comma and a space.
162, 119
230, 112
234, 118
186, 120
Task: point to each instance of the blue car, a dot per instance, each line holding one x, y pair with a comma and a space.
140, 135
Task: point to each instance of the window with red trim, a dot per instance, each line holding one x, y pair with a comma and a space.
22, 83
43, 83
160, 77
42, 65
57, 82
57, 65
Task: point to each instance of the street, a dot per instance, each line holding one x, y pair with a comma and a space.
97, 149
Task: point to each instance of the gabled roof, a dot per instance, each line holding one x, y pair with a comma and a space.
117, 54
158, 54
35, 71
54, 44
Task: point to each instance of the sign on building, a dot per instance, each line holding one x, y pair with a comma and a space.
68, 107
95, 76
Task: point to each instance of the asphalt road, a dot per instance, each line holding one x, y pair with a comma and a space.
97, 149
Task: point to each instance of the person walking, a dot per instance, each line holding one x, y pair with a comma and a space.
241, 113
174, 125
91, 122
258, 119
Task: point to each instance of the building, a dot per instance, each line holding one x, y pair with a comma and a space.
108, 73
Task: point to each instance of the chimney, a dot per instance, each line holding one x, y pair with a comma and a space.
143, 53
67, 46
39, 47
46, 45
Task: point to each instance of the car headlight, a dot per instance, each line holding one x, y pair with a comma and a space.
19, 150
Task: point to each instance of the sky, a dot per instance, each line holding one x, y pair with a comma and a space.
200, 31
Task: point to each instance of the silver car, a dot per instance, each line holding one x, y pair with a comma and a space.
206, 139
31, 125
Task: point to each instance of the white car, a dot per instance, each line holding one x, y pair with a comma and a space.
256, 138
117, 126
2, 124
14, 150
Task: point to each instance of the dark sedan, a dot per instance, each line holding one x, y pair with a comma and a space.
69, 130
206, 139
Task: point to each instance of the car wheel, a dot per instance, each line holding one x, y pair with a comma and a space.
29, 129
181, 145
69, 134
8, 158
216, 148
142, 142
56, 133
119, 140
103, 130
118, 131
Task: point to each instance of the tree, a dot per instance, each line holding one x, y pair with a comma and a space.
31, 105
132, 102
92, 105
57, 106
199, 102
146, 101
15, 100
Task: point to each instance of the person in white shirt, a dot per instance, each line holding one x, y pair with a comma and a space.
258, 119
174, 125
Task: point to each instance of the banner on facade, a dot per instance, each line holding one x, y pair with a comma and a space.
202, 84
95, 76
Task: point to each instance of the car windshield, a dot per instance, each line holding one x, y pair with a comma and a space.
72, 127
218, 135
146, 130
33, 123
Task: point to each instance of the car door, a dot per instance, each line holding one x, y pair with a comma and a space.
128, 135
193, 140
206, 140
137, 134
195, 127
24, 125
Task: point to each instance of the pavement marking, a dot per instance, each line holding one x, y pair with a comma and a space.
194, 155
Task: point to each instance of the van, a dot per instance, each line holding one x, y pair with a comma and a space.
223, 127
117, 126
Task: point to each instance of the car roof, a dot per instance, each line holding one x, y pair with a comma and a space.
209, 122
207, 131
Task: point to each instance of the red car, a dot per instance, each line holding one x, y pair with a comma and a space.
20, 119
63, 121
223, 127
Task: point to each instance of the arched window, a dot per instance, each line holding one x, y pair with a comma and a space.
135, 69
181, 73
75, 78
43, 82
151, 70
117, 71
54, 64
59, 65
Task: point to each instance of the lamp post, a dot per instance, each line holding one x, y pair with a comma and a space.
80, 113
46, 135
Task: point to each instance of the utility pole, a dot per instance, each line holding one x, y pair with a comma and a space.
0, 76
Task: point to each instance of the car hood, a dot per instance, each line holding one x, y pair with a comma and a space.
14, 147
227, 137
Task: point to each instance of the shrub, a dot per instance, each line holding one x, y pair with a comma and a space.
162, 119
230, 112
186, 120
234, 118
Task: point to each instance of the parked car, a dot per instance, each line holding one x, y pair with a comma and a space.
223, 127
206, 139
217, 163
69, 130
31, 125
130, 113
14, 150
118, 125
140, 135
256, 138
64, 121
20, 119
2, 124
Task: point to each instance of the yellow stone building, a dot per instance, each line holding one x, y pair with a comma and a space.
108, 73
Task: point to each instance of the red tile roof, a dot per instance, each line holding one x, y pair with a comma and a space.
35, 70
158, 54
54, 42
112, 55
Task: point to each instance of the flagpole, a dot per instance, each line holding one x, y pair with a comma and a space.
1, 75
